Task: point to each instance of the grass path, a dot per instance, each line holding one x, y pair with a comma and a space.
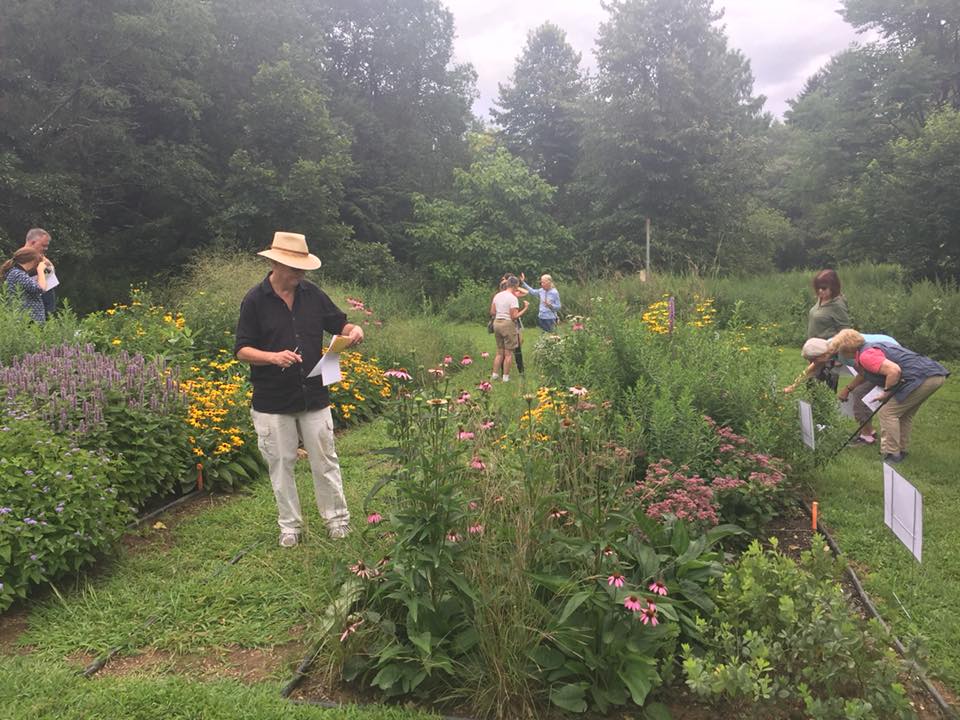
179, 579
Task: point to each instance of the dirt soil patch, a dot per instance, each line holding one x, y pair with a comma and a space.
13, 624
247, 665
149, 537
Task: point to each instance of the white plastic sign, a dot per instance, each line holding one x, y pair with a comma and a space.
903, 510
806, 424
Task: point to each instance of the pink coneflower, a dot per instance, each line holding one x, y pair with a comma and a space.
578, 390
436, 372
498, 499
477, 464
378, 323
607, 551
658, 588
632, 603
649, 615
466, 360
616, 580
475, 529
472, 505
484, 354
362, 571
368, 311
447, 359
557, 513
374, 518
463, 398
485, 386
399, 374
464, 435
577, 326
453, 537
486, 424
351, 629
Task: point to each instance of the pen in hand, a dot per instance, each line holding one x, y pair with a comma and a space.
295, 350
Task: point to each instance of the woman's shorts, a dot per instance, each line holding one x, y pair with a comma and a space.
505, 331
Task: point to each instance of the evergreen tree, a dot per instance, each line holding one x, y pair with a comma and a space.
541, 107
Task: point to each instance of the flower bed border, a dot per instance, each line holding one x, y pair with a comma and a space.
945, 709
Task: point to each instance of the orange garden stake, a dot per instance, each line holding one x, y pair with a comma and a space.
199, 476
815, 511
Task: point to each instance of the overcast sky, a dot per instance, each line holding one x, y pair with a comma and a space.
786, 41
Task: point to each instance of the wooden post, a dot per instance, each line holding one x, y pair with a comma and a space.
648, 248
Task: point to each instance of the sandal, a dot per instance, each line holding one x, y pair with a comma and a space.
865, 439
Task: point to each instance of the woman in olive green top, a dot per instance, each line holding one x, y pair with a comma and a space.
828, 317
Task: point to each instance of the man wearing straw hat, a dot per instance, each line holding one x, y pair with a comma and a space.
280, 334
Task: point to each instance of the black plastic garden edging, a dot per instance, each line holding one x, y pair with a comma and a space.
944, 706
192, 495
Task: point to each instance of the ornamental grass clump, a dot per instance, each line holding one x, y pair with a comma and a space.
121, 404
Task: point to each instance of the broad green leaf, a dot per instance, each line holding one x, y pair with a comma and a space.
569, 697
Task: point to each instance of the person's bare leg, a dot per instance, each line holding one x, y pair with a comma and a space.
497, 362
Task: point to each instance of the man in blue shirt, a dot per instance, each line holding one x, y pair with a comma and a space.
549, 302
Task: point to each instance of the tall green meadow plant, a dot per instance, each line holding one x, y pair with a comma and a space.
20, 335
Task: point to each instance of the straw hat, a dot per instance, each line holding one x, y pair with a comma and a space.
291, 249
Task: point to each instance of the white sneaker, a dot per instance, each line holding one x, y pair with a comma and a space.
494, 376
289, 539
339, 532
506, 378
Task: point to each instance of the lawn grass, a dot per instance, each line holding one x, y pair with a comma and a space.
33, 689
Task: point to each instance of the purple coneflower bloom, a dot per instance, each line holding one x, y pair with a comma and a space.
658, 588
632, 603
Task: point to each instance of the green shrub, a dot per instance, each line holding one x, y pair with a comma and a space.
139, 326
59, 506
19, 335
471, 303
785, 641
119, 404
666, 383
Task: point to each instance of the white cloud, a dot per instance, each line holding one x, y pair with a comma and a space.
786, 41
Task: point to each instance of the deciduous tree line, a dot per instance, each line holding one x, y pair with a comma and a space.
142, 131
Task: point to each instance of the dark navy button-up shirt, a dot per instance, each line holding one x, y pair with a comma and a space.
266, 323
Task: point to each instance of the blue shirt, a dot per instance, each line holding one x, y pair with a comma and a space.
551, 296
32, 295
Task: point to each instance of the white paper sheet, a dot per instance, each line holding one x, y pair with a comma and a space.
846, 408
903, 510
872, 399
52, 281
806, 424
329, 366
